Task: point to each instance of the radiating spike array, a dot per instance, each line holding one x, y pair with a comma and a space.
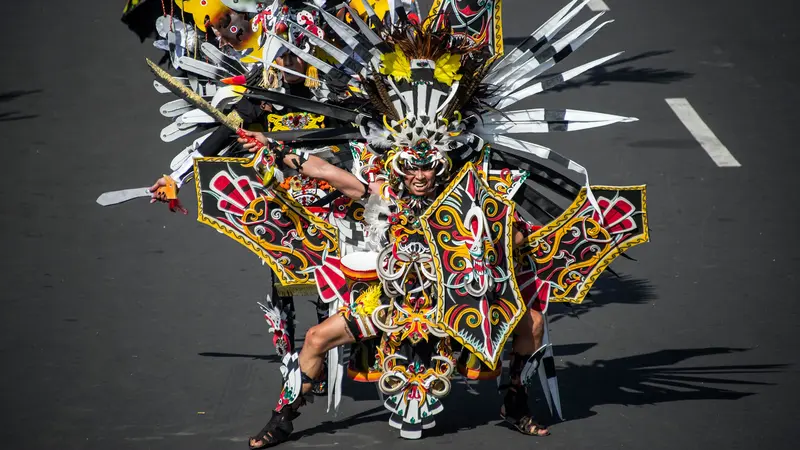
549, 83
536, 41
550, 56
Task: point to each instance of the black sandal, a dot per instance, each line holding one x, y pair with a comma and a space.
516, 413
277, 430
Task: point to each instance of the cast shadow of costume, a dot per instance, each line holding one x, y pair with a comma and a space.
638, 380
9, 116
607, 289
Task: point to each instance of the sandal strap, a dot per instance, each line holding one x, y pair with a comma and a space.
528, 426
277, 429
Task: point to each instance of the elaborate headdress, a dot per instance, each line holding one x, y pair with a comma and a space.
437, 93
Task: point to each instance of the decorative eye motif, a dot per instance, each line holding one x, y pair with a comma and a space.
234, 29
422, 146
304, 18
203, 2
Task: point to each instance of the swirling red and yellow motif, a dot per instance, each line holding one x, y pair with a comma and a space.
267, 220
469, 230
566, 256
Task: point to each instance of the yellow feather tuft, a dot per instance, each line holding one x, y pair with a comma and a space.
396, 64
311, 72
369, 300
447, 67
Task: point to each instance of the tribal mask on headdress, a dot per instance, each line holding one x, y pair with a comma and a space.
228, 21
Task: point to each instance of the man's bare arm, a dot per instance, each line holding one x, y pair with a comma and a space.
315, 167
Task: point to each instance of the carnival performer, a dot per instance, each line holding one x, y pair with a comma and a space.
288, 75
442, 245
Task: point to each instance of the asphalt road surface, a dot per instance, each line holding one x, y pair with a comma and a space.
130, 327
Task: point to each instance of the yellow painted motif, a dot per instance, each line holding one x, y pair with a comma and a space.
295, 121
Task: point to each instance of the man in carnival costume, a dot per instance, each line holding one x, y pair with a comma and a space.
448, 265
443, 244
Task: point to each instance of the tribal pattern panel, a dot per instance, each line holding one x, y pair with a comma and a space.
478, 20
562, 260
506, 181
469, 230
295, 121
291, 240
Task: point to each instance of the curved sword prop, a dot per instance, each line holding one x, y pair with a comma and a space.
115, 197
170, 191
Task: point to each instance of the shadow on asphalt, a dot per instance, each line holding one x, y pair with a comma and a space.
639, 380
607, 289
611, 72
8, 116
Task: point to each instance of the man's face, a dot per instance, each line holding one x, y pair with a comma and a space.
292, 62
420, 180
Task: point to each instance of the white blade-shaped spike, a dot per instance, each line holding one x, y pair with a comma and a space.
555, 54
550, 115
223, 94
542, 126
365, 29
340, 56
195, 116
176, 131
175, 108
524, 147
343, 30
392, 10
349, 36
402, 113
203, 69
221, 59
161, 89
337, 54
270, 51
551, 82
538, 38
186, 153
450, 95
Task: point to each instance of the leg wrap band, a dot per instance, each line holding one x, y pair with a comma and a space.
523, 368
292, 381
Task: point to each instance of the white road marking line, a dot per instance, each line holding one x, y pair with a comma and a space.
598, 5
692, 121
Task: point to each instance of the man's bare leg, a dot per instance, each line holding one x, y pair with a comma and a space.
527, 340
529, 333
331, 333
